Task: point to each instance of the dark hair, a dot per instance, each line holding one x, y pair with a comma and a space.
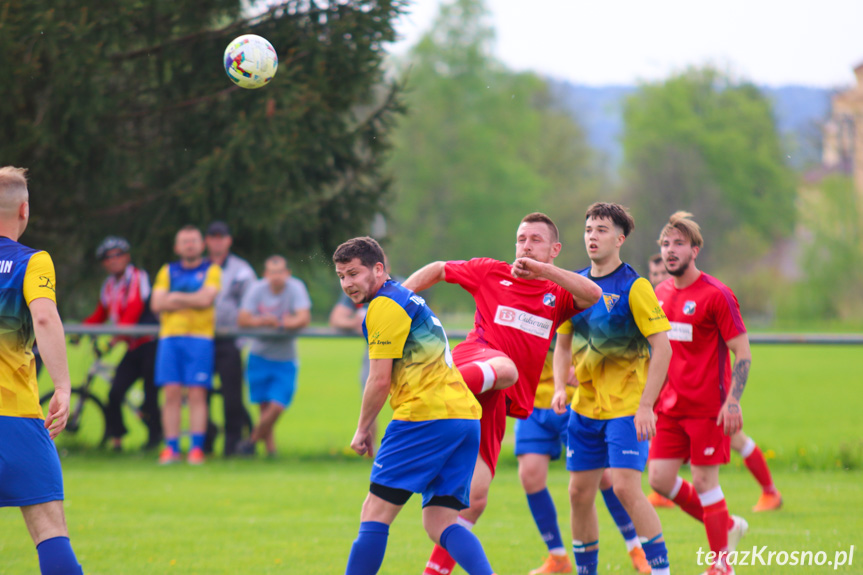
656, 259
539, 217
688, 228
618, 214
365, 249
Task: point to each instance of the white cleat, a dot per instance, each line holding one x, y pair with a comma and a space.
736, 533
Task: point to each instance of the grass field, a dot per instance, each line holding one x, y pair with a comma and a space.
299, 513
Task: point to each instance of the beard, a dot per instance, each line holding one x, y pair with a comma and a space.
681, 268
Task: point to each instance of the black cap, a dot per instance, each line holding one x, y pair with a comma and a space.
218, 228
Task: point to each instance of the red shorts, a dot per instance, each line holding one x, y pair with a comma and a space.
696, 439
492, 425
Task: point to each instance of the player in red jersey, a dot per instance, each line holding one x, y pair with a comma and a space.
699, 407
770, 498
519, 307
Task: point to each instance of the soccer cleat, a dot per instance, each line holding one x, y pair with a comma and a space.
768, 502
658, 500
736, 533
639, 561
719, 570
196, 456
554, 564
168, 456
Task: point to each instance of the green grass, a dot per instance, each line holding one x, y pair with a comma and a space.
299, 513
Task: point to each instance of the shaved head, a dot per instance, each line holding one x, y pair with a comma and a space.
13, 190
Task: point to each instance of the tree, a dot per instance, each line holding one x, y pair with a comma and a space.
479, 148
124, 116
703, 142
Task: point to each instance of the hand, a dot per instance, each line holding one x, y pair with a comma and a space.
645, 423
58, 413
363, 443
731, 416
270, 321
558, 402
572, 381
526, 268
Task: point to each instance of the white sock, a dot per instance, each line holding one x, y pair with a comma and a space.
488, 375
464, 523
747, 448
678, 483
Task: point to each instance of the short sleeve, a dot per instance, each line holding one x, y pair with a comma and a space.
214, 277
39, 279
468, 274
727, 314
301, 296
565, 327
163, 280
646, 310
250, 299
388, 326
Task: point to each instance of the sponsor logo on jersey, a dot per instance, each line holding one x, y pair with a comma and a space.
521, 320
375, 339
610, 300
689, 307
549, 299
46, 283
680, 331
5, 266
506, 283
418, 300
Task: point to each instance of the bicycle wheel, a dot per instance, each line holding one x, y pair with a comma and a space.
85, 428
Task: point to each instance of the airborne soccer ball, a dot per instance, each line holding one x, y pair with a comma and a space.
250, 61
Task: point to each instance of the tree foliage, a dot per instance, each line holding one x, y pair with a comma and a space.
479, 148
124, 116
705, 143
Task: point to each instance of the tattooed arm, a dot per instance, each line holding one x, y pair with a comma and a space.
731, 414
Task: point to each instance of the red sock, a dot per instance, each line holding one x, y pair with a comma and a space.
688, 500
440, 562
716, 523
758, 467
475, 377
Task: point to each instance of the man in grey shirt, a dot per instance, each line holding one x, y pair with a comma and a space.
237, 277
279, 301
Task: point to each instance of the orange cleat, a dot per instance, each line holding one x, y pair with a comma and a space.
658, 500
639, 561
554, 564
768, 502
168, 456
196, 456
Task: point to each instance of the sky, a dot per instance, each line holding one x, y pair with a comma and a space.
604, 42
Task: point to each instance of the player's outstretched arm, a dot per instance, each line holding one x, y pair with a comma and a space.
731, 414
375, 395
561, 364
660, 358
426, 276
52, 347
585, 292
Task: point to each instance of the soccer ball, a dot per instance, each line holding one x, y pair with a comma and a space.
250, 61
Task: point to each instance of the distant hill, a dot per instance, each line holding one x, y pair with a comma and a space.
799, 113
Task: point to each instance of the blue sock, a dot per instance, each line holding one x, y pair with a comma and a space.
367, 552
466, 549
57, 558
173, 443
586, 562
545, 515
656, 553
619, 514
198, 440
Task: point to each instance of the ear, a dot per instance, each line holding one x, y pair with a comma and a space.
555, 249
24, 211
695, 250
620, 239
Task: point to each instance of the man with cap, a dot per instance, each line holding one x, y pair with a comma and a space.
124, 300
237, 277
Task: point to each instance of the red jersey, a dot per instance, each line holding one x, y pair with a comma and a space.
124, 301
515, 316
703, 317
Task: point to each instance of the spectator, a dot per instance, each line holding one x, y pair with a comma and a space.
279, 301
184, 295
237, 276
124, 300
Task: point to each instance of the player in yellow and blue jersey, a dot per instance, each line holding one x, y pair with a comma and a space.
620, 351
30, 475
431, 445
183, 295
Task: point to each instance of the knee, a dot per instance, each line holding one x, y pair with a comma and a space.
605, 481
478, 502
660, 482
507, 374
532, 479
626, 493
703, 484
579, 496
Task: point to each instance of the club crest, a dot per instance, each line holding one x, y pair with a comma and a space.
549, 299
610, 300
689, 308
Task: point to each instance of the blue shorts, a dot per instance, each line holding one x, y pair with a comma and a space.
544, 432
29, 465
271, 381
435, 458
185, 360
601, 443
